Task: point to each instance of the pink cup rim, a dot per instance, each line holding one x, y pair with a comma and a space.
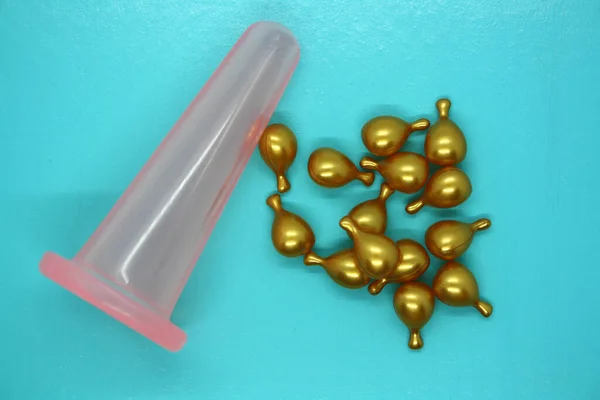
114, 301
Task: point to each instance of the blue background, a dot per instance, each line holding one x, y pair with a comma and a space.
89, 88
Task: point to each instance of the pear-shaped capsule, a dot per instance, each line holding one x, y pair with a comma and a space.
385, 135
445, 143
342, 267
278, 148
414, 261
414, 303
449, 239
405, 172
291, 235
456, 286
377, 254
371, 216
447, 188
330, 168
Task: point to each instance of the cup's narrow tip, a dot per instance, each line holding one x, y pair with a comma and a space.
272, 26
277, 32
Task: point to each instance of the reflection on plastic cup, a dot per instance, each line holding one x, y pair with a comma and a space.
138, 261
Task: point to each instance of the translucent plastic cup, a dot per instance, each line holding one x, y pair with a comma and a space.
135, 265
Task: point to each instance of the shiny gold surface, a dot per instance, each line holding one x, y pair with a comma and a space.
445, 143
342, 267
330, 168
278, 148
371, 216
456, 286
377, 254
414, 261
449, 239
405, 172
447, 188
291, 235
385, 135
414, 303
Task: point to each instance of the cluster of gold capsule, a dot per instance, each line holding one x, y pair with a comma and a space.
375, 259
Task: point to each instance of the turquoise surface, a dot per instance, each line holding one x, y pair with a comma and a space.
89, 88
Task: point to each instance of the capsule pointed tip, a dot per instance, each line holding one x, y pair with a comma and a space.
416, 341
443, 107
274, 201
481, 224
366, 177
385, 191
347, 224
376, 286
283, 184
311, 258
415, 206
420, 125
369, 163
484, 308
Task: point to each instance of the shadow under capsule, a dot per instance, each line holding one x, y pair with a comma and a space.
285, 118
388, 109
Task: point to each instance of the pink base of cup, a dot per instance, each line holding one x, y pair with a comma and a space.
114, 302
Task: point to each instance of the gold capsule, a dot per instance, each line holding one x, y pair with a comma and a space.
456, 286
447, 188
445, 143
290, 234
377, 254
371, 216
330, 168
342, 267
414, 261
385, 135
414, 303
449, 239
278, 148
405, 172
